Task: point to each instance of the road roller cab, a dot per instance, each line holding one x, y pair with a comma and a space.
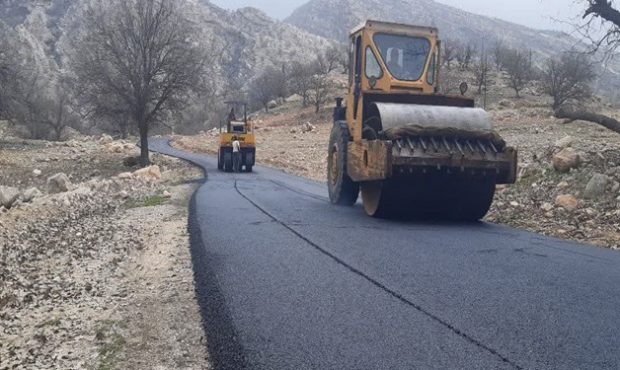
411, 150
237, 128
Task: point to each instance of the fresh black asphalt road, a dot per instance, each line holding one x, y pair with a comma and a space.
287, 281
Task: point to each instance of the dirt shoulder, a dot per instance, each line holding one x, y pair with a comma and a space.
537, 202
99, 276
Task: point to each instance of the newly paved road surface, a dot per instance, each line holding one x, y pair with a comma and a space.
288, 281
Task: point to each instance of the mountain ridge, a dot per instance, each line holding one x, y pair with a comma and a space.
334, 19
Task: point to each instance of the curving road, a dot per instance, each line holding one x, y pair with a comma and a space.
287, 281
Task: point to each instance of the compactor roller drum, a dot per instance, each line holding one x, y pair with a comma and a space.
439, 198
412, 151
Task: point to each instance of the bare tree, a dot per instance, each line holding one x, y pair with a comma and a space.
567, 78
28, 105
11, 75
300, 81
499, 54
343, 58
57, 113
608, 37
143, 53
321, 84
465, 53
481, 69
516, 65
328, 60
449, 50
267, 86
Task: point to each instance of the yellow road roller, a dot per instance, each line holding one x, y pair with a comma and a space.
239, 129
409, 150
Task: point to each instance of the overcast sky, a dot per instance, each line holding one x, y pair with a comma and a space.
532, 13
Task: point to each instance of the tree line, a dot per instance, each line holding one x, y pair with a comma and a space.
566, 78
311, 80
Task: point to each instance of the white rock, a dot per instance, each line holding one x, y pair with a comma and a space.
546, 207
105, 139
58, 183
567, 202
596, 186
166, 194
565, 142
566, 160
8, 196
307, 127
30, 194
152, 173
37, 172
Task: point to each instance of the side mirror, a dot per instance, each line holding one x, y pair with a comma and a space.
464, 87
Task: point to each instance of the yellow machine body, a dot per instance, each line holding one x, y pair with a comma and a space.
401, 134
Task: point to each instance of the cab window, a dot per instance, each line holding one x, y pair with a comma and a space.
373, 68
404, 56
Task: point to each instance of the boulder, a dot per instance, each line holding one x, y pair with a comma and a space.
125, 176
272, 104
8, 196
152, 173
106, 139
504, 103
564, 142
596, 186
566, 160
294, 98
546, 207
307, 127
30, 194
37, 172
58, 183
567, 201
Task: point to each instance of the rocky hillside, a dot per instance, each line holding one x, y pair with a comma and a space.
250, 41
245, 41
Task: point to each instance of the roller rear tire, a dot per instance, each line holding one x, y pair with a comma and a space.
228, 165
342, 190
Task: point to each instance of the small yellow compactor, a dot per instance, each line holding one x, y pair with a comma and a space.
411, 151
242, 130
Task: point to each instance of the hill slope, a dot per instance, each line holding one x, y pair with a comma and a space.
335, 18
247, 38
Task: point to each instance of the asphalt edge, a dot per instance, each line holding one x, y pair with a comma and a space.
223, 346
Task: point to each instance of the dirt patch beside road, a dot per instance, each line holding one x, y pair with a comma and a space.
98, 277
